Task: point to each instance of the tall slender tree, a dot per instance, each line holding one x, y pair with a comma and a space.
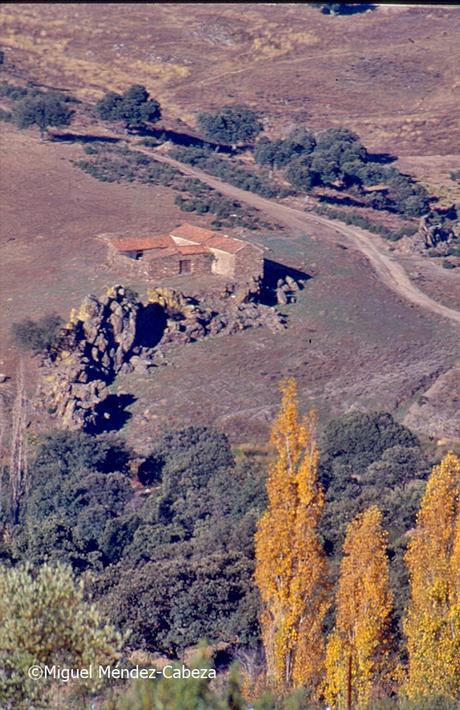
18, 457
291, 568
432, 624
358, 651
2, 449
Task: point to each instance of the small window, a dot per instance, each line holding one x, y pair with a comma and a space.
185, 266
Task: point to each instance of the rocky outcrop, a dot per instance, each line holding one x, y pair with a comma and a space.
94, 347
286, 290
438, 231
117, 333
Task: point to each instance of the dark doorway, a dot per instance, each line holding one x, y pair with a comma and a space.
185, 266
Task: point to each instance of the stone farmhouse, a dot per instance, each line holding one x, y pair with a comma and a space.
187, 250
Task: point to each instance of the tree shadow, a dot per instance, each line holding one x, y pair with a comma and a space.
273, 272
111, 414
77, 138
150, 471
343, 201
382, 158
182, 139
345, 8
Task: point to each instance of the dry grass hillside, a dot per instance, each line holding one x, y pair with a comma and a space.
389, 74
392, 73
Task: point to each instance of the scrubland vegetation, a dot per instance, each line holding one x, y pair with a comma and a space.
184, 544
321, 570
303, 162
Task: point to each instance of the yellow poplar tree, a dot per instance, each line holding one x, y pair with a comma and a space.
358, 658
432, 624
291, 569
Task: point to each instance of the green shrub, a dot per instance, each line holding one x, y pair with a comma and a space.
10, 91
229, 172
38, 336
90, 150
45, 619
365, 223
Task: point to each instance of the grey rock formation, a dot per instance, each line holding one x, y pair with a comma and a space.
104, 338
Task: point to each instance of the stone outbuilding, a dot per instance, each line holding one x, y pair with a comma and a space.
187, 250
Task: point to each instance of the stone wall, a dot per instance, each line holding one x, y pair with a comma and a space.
244, 265
171, 265
126, 266
157, 267
249, 263
224, 263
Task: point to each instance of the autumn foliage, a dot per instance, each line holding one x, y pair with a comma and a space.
432, 624
358, 652
359, 663
291, 570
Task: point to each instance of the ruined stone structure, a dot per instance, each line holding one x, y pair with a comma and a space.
187, 250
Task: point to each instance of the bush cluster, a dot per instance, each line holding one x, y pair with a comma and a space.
38, 336
364, 222
336, 158
185, 552
228, 171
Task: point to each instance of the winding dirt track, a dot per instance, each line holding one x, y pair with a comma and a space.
390, 272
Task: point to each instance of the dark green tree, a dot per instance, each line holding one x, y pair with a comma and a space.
279, 154
79, 487
301, 175
44, 111
231, 125
134, 107
187, 565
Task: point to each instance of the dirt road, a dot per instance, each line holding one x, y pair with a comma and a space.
388, 269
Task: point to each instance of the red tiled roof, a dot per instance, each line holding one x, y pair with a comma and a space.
227, 244
143, 243
192, 249
204, 240
195, 234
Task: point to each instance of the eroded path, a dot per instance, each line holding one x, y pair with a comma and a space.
387, 268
